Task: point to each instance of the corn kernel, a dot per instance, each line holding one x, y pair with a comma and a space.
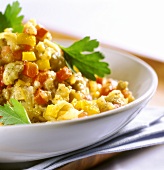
23, 38
43, 64
29, 56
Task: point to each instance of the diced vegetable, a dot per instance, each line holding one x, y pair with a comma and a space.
63, 74
99, 80
29, 56
42, 77
30, 69
17, 54
25, 47
106, 89
41, 97
43, 64
23, 38
40, 31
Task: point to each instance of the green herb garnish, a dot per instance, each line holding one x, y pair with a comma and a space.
82, 54
13, 113
11, 18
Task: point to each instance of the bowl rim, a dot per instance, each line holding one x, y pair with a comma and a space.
148, 94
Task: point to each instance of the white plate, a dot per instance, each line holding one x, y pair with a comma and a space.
31, 142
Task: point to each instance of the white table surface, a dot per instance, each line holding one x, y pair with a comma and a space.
133, 25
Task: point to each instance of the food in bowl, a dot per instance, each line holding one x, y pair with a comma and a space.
51, 86
34, 72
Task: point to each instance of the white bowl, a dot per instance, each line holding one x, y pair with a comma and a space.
31, 142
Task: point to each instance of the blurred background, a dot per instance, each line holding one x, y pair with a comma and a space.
136, 26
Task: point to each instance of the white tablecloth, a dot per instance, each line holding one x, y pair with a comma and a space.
146, 158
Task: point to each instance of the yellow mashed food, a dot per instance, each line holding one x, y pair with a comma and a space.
34, 72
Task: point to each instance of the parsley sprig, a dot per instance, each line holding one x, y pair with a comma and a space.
12, 18
82, 54
13, 113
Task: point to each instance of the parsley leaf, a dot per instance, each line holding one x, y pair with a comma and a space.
11, 18
82, 54
13, 113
